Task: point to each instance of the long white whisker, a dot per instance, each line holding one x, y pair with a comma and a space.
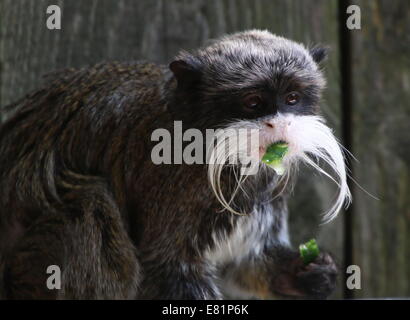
309, 140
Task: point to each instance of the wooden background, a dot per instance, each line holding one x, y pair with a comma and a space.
154, 30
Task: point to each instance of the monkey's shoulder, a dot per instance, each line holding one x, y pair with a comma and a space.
116, 84
109, 70
135, 78
101, 91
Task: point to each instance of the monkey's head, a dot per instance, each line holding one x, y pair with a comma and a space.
256, 80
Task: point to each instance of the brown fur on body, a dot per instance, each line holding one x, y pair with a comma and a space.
65, 156
78, 189
78, 168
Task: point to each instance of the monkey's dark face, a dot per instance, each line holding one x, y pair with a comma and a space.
255, 80
284, 93
252, 75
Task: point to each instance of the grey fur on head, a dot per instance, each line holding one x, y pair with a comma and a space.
244, 59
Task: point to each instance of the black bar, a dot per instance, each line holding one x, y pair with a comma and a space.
253, 309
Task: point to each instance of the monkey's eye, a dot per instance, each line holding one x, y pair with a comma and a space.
252, 102
292, 98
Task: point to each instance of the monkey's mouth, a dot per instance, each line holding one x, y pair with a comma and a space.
308, 140
263, 148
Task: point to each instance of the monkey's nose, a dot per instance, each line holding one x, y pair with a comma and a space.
269, 125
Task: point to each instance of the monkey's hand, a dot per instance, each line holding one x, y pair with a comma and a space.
315, 280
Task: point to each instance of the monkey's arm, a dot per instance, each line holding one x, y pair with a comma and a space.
280, 271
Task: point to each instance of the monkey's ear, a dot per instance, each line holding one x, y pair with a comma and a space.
319, 53
187, 74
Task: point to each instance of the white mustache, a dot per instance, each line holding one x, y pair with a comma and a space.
309, 140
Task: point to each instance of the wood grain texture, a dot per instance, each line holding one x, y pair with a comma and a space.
381, 133
93, 31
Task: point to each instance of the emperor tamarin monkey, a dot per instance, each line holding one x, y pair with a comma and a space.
79, 190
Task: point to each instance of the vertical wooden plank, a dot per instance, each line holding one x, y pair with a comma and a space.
381, 131
93, 31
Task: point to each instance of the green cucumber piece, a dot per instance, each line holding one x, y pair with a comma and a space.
274, 155
309, 251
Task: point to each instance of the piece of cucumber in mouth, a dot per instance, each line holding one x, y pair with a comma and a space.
274, 155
